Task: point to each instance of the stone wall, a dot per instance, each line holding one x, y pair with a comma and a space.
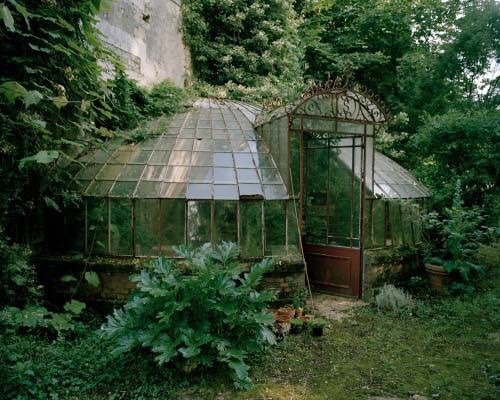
285, 278
146, 35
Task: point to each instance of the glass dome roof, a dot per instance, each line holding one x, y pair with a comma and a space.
211, 151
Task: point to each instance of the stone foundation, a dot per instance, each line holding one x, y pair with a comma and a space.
383, 266
286, 278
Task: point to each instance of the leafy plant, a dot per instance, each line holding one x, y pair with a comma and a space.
299, 298
395, 300
36, 318
18, 283
209, 314
454, 240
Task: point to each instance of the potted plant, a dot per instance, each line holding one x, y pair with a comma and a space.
451, 245
297, 326
318, 326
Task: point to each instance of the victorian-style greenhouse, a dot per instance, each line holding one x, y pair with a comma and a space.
303, 179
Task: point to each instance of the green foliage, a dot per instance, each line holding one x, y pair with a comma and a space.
38, 318
473, 135
18, 283
211, 314
53, 98
395, 300
299, 298
454, 240
242, 41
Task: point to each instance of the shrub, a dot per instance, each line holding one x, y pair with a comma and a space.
18, 284
395, 300
208, 314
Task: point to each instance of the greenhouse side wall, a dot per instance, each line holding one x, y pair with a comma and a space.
114, 237
393, 237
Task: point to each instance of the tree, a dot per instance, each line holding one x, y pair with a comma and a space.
242, 41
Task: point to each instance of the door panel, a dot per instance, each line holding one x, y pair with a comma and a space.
332, 209
334, 270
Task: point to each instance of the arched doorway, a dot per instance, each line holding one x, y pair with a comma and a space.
336, 128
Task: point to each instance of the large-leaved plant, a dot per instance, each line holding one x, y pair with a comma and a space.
208, 312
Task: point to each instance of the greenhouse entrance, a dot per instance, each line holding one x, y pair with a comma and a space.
332, 210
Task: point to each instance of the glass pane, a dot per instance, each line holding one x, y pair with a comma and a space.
251, 228
148, 189
97, 226
201, 159
120, 227
248, 189
120, 157
109, 172
270, 175
226, 222
174, 190
123, 189
176, 174
224, 175
89, 171
153, 173
131, 173
199, 222
99, 188
293, 228
173, 220
247, 175
201, 175
203, 145
179, 158
275, 227
223, 160
199, 191
74, 236
160, 157
407, 219
226, 192
396, 230
146, 226
140, 157
275, 192
379, 224
243, 160
184, 144
263, 160
222, 145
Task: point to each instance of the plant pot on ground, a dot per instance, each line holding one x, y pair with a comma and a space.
297, 326
452, 241
439, 278
318, 327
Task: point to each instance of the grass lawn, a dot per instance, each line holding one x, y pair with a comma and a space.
449, 349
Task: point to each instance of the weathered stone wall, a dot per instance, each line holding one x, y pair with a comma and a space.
381, 266
146, 35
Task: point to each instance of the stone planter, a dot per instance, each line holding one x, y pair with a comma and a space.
438, 278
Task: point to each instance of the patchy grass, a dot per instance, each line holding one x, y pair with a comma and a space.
449, 348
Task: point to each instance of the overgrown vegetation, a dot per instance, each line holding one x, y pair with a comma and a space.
210, 315
447, 347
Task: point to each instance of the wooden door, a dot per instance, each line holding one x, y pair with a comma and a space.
332, 211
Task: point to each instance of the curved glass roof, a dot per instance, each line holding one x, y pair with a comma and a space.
211, 151
390, 180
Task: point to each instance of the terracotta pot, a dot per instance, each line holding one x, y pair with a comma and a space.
438, 277
286, 311
281, 318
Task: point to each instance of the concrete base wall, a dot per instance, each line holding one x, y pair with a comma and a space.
146, 35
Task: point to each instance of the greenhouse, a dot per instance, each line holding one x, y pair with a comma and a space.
228, 171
